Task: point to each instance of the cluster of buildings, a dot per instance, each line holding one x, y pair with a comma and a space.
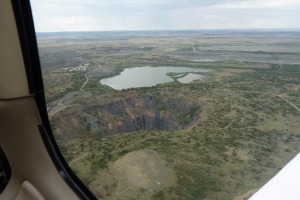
80, 68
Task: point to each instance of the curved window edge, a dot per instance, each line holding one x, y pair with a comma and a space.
26, 31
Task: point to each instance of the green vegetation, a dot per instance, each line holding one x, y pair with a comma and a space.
58, 84
213, 139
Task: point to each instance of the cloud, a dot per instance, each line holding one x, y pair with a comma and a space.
261, 4
90, 15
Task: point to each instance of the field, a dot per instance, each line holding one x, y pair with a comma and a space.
219, 138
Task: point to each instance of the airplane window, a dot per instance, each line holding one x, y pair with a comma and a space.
4, 171
183, 100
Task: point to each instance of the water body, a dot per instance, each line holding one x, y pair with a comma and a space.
145, 76
204, 60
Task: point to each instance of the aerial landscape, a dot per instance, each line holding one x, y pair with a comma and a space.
210, 114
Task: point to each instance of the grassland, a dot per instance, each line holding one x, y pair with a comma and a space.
248, 104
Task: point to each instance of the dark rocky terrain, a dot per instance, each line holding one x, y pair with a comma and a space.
135, 113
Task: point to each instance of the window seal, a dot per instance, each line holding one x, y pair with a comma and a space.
29, 47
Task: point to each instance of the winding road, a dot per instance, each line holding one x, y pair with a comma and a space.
87, 80
81, 157
281, 96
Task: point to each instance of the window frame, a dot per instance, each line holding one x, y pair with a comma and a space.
28, 42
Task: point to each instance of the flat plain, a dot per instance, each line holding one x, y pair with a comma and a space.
221, 137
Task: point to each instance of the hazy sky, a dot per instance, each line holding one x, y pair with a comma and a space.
98, 15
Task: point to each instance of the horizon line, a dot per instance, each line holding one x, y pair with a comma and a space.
170, 30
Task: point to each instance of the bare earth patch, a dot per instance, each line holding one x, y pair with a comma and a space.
137, 174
